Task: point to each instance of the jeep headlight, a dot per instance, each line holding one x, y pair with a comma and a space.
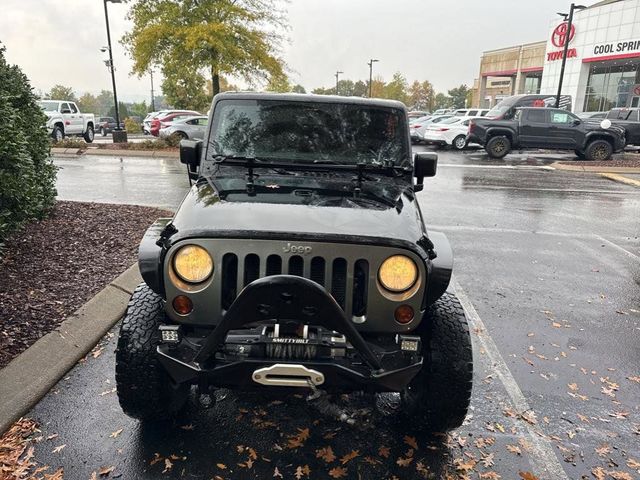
193, 264
398, 273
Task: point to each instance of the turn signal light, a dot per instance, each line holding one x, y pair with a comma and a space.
404, 314
182, 305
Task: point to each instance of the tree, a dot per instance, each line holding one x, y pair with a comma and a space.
88, 103
186, 91
206, 37
297, 88
377, 88
458, 96
123, 111
396, 89
360, 89
421, 95
139, 109
60, 92
27, 173
279, 84
105, 102
441, 101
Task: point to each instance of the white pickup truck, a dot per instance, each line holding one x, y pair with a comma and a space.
64, 118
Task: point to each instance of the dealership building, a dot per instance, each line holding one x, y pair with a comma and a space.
603, 61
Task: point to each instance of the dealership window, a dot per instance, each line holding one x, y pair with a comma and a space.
610, 86
532, 85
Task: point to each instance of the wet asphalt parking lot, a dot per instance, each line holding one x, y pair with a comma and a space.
547, 265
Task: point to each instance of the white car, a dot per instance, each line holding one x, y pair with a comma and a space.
190, 128
452, 131
419, 126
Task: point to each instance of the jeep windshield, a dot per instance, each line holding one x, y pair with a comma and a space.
309, 132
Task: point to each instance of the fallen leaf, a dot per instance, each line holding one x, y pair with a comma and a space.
297, 440
167, 465
411, 441
603, 450
527, 476
634, 379
487, 460
514, 449
326, 454
298, 473
104, 471
490, 475
51, 437
276, 473
599, 473
338, 472
221, 466
116, 433
573, 387
96, 353
191, 426
404, 462
350, 456
619, 475
384, 452
556, 325
530, 417
620, 415
59, 448
631, 463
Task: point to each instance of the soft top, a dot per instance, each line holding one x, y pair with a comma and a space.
306, 97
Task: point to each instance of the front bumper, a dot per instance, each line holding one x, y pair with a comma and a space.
291, 324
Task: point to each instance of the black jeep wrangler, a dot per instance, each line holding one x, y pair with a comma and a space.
298, 259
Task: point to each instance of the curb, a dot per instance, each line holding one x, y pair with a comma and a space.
621, 179
35, 371
587, 169
116, 153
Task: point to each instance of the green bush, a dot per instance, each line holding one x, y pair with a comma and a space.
131, 126
27, 173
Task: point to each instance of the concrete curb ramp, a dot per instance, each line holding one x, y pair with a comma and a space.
34, 372
116, 153
621, 179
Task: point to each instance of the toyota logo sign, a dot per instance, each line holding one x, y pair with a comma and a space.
559, 35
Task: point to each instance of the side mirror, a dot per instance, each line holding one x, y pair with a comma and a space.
576, 122
190, 153
424, 165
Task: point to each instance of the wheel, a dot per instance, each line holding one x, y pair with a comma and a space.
182, 135
57, 134
437, 399
103, 131
459, 142
145, 390
89, 134
580, 154
498, 147
598, 150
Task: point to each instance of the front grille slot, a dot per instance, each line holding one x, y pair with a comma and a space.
346, 281
339, 281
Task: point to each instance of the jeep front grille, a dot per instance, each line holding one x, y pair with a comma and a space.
346, 281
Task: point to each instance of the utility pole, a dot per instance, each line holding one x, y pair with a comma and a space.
337, 76
119, 136
371, 74
153, 97
567, 39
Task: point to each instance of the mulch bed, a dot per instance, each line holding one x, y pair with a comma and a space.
51, 268
623, 162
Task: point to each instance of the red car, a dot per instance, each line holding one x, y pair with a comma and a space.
162, 121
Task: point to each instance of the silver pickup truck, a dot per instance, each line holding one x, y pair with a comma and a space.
64, 118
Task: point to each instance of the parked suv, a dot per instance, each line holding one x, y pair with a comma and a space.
629, 120
106, 125
298, 260
548, 128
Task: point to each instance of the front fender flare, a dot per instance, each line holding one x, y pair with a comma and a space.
441, 267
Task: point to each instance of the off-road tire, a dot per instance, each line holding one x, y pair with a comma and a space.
89, 134
145, 390
498, 146
459, 143
580, 154
57, 134
598, 150
437, 399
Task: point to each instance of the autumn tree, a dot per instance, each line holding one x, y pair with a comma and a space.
88, 103
458, 96
208, 37
60, 92
421, 95
297, 88
396, 89
441, 101
279, 84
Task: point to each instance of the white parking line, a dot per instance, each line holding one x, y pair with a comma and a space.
619, 248
542, 458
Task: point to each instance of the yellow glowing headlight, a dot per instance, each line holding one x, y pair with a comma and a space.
193, 264
398, 273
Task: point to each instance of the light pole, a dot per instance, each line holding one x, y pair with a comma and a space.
371, 62
337, 77
119, 135
153, 98
567, 39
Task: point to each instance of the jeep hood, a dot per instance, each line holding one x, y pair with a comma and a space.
205, 212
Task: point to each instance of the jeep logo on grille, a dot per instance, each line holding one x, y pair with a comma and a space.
297, 249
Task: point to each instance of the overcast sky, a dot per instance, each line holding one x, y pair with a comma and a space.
58, 41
